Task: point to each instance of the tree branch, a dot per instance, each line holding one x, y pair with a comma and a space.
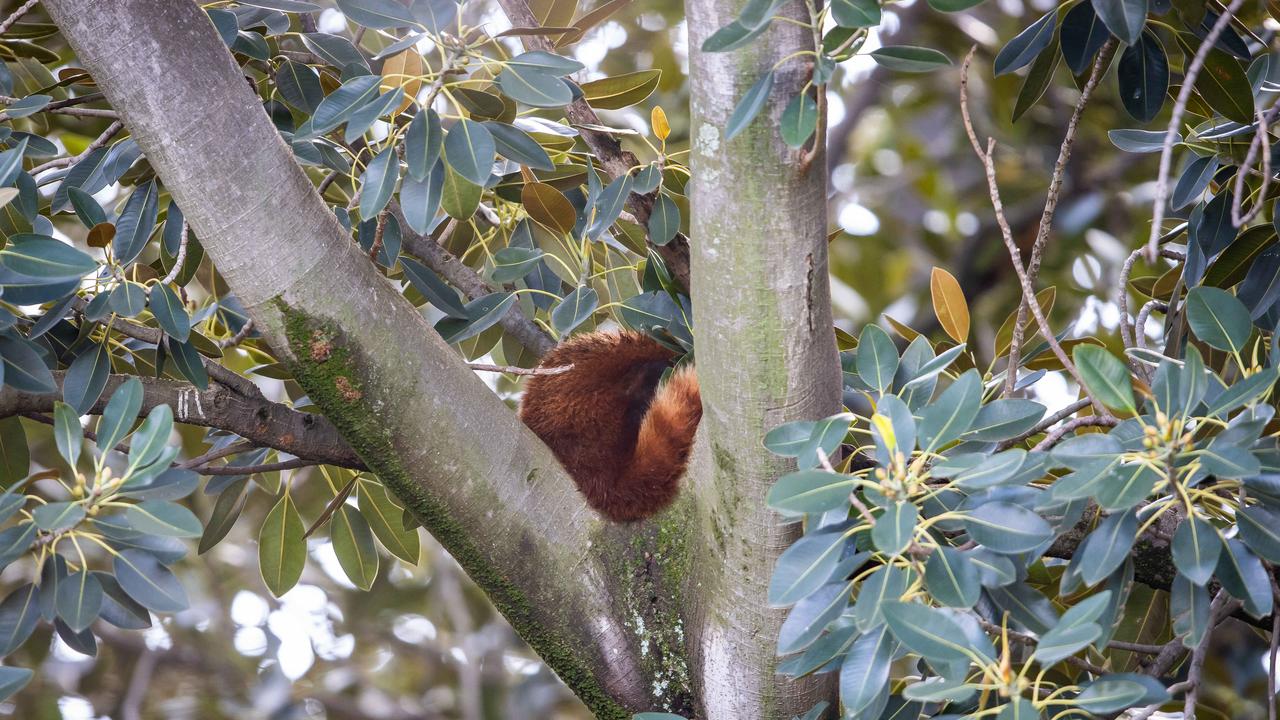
1051, 207
1175, 120
263, 422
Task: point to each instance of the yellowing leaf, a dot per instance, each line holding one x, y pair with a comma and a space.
620, 91
404, 70
949, 304
658, 118
548, 207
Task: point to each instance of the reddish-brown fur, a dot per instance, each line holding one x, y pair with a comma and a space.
623, 439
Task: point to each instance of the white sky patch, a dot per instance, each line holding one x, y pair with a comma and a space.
249, 609
75, 708
331, 21
857, 219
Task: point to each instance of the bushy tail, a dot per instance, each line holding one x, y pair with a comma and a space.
652, 479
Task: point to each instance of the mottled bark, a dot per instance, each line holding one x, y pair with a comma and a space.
766, 352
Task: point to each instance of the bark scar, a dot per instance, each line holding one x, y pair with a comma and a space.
808, 292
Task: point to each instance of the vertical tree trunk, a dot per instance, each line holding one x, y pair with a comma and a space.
766, 351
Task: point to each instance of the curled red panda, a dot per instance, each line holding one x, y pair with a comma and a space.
623, 437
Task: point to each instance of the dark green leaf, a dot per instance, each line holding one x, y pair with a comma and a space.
170, 312
282, 547
159, 517
1218, 318
1007, 528
79, 598
951, 415
470, 151
799, 120
1106, 377
910, 58
1022, 49
122, 409
58, 516
877, 357
574, 309
1196, 547
952, 578
749, 106
1124, 18
149, 582
1144, 78
40, 256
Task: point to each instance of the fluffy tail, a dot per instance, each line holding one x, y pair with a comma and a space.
650, 481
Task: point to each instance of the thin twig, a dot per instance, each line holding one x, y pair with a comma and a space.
1122, 299
1054, 437
1175, 121
239, 337
1139, 332
1047, 423
863, 510
512, 370
180, 259
293, 464
1219, 608
232, 449
1028, 291
16, 15
1051, 207
1261, 141
98, 142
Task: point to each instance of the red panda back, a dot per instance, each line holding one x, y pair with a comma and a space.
624, 440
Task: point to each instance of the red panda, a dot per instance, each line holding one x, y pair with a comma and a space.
623, 437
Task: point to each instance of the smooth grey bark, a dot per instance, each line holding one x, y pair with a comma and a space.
766, 351
484, 485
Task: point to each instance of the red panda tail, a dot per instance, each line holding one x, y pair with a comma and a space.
651, 480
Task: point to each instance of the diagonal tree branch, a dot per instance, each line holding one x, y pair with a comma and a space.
303, 434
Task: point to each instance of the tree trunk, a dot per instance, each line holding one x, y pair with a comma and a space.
766, 351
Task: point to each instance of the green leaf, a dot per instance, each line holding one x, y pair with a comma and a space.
929, 632
952, 578
799, 120
376, 14
58, 516
1124, 18
151, 437
170, 313
1224, 85
122, 409
895, 528
1004, 419
67, 433
1108, 546
24, 369
470, 151
749, 106
1083, 35
513, 263
885, 584
1139, 141
518, 146
1106, 696
353, 544
1196, 547
383, 515
856, 13
664, 220
15, 458
167, 519
1037, 81
810, 491
951, 415
1007, 528
136, 221
1126, 486
877, 357
910, 58
13, 679
422, 143
299, 86
806, 565
420, 199
459, 197
439, 294
86, 379
865, 669
19, 614
574, 309
79, 598
1143, 75
1075, 630
1243, 575
533, 85
1260, 530
1218, 318
225, 512
1243, 392
378, 182
343, 102
731, 36
1106, 378
149, 582
1027, 45
282, 546
812, 615
482, 314
43, 257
